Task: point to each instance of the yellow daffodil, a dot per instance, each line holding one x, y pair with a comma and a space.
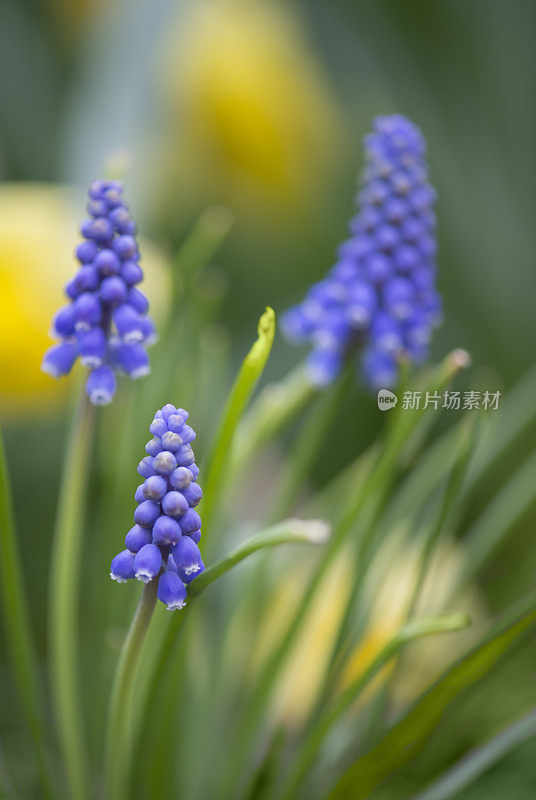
387, 593
253, 116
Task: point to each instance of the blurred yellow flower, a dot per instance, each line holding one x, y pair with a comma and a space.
387, 592
252, 111
38, 233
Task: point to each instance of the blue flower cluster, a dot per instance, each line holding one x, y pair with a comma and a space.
105, 322
380, 296
164, 539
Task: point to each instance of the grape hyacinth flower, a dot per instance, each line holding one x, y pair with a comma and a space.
163, 543
105, 323
380, 296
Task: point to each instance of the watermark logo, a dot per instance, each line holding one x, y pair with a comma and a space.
452, 401
386, 400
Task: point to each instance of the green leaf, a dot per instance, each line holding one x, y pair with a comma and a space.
476, 762
18, 630
409, 736
313, 531
316, 733
163, 677
276, 406
244, 385
63, 598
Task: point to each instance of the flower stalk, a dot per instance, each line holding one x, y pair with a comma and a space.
63, 597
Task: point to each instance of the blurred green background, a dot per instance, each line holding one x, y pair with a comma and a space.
261, 107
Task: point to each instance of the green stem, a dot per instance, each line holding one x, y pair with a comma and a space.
18, 628
63, 597
118, 736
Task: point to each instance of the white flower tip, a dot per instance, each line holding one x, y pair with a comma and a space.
176, 605
49, 368
316, 531
99, 397
192, 568
140, 372
134, 336
117, 578
91, 361
460, 358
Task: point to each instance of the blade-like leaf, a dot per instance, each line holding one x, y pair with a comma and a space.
316, 733
314, 531
244, 385
18, 631
409, 735
476, 762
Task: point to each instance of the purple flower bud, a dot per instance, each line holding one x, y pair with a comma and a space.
155, 487
133, 360
136, 538
122, 221
190, 522
128, 323
88, 311
187, 558
166, 531
98, 229
181, 478
86, 251
194, 469
139, 495
59, 359
113, 290
122, 568
96, 189
125, 246
171, 441
195, 536
131, 273
87, 278
167, 411
187, 434
164, 463
184, 456
101, 385
147, 563
138, 301
92, 347
97, 208
171, 591
174, 504
193, 494
153, 446
64, 320
146, 514
175, 422
107, 262
145, 467
158, 427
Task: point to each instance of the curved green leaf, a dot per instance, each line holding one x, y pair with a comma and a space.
409, 736
477, 761
244, 385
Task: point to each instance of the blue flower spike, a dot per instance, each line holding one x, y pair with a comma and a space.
105, 323
163, 543
380, 297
